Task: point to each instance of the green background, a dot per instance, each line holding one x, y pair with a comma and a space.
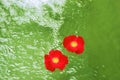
22, 46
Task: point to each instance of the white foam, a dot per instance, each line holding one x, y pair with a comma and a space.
35, 10
25, 11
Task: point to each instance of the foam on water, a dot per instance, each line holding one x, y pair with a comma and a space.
34, 10
18, 13
25, 11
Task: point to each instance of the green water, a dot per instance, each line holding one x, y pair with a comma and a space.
29, 29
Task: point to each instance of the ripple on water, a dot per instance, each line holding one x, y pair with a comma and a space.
20, 53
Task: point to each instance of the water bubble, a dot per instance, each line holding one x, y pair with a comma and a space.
71, 70
73, 78
103, 66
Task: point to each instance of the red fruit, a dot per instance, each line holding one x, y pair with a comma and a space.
74, 44
55, 59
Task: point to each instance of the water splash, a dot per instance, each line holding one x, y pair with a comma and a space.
46, 13
23, 11
16, 13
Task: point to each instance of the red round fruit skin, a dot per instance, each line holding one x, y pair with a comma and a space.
80, 44
50, 65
